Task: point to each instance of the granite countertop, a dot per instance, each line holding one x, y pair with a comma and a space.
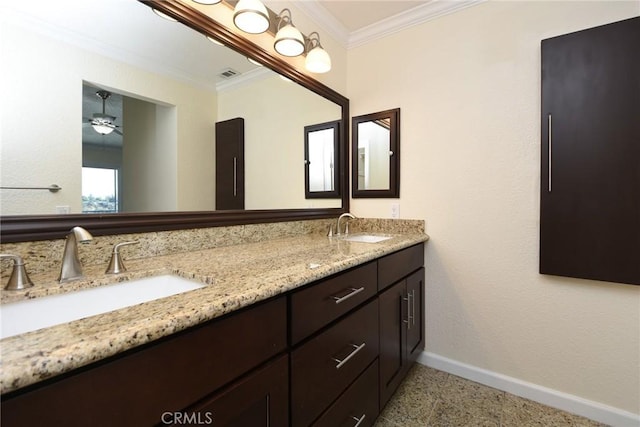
236, 276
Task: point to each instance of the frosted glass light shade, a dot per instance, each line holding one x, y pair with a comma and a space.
289, 41
251, 16
102, 129
318, 60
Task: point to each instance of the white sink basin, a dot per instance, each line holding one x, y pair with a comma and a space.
367, 238
29, 315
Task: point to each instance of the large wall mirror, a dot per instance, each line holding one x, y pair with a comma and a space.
167, 86
376, 154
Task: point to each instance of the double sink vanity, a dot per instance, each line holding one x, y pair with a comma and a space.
299, 330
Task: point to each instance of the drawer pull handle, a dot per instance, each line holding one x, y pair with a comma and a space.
359, 420
346, 359
353, 292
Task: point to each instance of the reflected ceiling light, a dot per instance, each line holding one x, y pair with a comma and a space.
207, 2
318, 60
216, 41
102, 122
164, 15
251, 16
289, 40
254, 62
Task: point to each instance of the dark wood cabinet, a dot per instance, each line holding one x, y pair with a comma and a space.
318, 305
329, 354
322, 368
590, 165
230, 164
358, 405
415, 315
259, 400
401, 331
138, 387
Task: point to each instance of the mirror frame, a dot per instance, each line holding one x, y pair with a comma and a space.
331, 194
21, 228
394, 159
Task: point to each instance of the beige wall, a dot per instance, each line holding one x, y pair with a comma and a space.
468, 85
41, 91
274, 143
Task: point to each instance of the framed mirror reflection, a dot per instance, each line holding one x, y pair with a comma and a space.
168, 86
376, 155
321, 176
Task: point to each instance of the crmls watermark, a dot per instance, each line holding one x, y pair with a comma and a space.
187, 418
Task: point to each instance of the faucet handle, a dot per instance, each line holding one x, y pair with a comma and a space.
115, 263
330, 232
19, 278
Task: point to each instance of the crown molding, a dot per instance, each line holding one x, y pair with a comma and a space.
393, 24
326, 21
409, 18
244, 79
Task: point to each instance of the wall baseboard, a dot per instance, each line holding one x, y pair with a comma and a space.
557, 399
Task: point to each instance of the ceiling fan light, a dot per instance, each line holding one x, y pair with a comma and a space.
318, 60
251, 16
289, 41
102, 128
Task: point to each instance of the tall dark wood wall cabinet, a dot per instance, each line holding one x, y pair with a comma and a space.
230, 164
590, 165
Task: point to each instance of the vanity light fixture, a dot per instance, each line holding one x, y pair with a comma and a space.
251, 16
164, 15
289, 40
318, 60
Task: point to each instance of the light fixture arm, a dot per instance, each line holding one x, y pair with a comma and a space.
286, 18
104, 95
313, 41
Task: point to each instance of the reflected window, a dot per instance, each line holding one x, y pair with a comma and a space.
321, 147
99, 190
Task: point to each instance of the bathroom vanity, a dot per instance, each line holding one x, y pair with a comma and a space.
321, 333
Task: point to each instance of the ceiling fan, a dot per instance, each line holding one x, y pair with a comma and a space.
101, 122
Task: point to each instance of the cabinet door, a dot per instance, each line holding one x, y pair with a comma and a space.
393, 305
259, 400
230, 164
590, 166
415, 317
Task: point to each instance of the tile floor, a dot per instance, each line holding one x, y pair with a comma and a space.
429, 397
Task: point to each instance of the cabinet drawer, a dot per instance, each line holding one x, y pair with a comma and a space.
316, 306
394, 267
357, 406
137, 388
323, 367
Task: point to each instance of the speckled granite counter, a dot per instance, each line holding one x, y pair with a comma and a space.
236, 276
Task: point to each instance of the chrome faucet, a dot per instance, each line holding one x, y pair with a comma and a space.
19, 278
71, 267
346, 227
